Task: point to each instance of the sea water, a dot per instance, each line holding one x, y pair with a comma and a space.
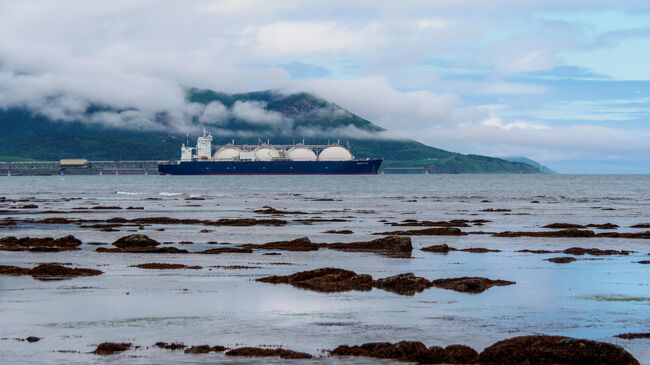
594, 297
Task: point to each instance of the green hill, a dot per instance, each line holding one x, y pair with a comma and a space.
300, 116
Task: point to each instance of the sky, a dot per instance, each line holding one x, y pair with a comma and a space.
566, 83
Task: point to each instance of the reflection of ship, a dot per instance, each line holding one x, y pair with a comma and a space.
263, 158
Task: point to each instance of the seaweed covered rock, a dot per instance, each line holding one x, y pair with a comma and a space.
135, 241
579, 251
401, 351
547, 350
204, 349
109, 348
443, 248
221, 250
264, 352
469, 284
60, 272
403, 284
633, 336
562, 260
570, 233
298, 244
384, 244
170, 346
48, 271
165, 266
324, 280
433, 231
36, 244
142, 250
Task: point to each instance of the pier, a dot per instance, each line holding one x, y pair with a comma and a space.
78, 167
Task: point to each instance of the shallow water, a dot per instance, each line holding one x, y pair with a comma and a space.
595, 297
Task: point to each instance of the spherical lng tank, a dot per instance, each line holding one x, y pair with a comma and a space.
227, 153
266, 153
335, 153
300, 153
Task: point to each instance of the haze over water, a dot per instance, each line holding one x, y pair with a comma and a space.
594, 297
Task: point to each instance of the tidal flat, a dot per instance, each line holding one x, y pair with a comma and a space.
199, 284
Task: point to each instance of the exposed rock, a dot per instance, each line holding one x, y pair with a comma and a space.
264, 352
246, 222
324, 280
641, 225
415, 223
237, 222
385, 244
29, 206
434, 231
142, 250
220, 250
644, 262
105, 207
444, 248
32, 339
562, 260
14, 270
593, 251
270, 210
633, 336
538, 251
401, 351
320, 220
563, 226
603, 226
572, 232
299, 244
459, 354
60, 272
403, 284
135, 241
343, 231
204, 349
109, 348
497, 210
170, 346
135, 208
47, 244
469, 284
547, 350
165, 266
48, 271
631, 235
478, 250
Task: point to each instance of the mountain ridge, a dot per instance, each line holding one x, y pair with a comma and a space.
267, 114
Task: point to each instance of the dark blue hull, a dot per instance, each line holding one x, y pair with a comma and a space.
355, 167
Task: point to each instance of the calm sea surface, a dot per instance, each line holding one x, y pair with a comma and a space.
594, 297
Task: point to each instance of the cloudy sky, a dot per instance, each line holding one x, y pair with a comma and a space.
564, 82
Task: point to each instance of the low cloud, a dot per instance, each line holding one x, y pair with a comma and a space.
255, 112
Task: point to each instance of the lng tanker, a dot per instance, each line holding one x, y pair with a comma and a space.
264, 158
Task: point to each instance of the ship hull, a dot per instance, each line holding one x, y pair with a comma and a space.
355, 167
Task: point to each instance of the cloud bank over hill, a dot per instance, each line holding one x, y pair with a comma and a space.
559, 81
